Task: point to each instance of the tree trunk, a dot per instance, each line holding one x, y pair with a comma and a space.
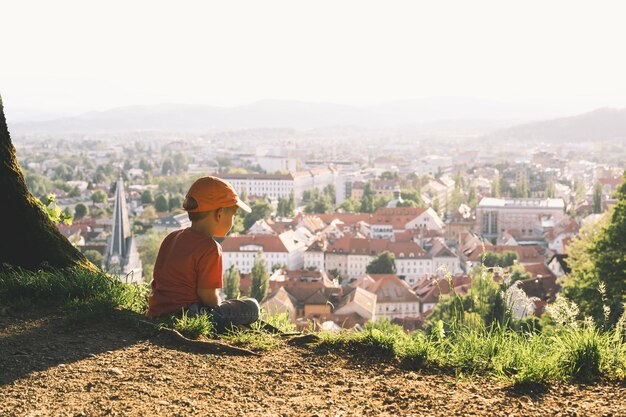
29, 238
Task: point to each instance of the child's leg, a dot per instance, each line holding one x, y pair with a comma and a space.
234, 312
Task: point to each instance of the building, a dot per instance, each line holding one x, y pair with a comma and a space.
495, 215
394, 297
350, 256
285, 249
121, 257
276, 186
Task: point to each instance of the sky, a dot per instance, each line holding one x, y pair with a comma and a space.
64, 56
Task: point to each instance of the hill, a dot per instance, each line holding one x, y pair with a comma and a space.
104, 368
440, 113
604, 124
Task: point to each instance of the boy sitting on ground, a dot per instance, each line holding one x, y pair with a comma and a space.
188, 270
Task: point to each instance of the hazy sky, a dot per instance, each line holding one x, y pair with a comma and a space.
59, 56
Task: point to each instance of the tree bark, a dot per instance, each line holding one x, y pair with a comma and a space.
29, 238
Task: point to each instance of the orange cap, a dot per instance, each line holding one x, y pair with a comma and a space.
212, 193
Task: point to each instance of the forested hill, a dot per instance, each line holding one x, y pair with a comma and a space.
600, 125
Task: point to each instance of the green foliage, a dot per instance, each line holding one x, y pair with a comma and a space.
367, 202
193, 327
471, 197
161, 204
232, 280
384, 263
597, 258
350, 205
518, 273
175, 202
260, 210
260, 278
81, 210
94, 256
496, 187
286, 207
75, 289
412, 196
521, 188
256, 339
147, 197
148, 247
319, 202
597, 198
54, 212
505, 259
579, 352
98, 196
388, 175
550, 190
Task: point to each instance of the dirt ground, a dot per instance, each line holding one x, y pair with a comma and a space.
110, 369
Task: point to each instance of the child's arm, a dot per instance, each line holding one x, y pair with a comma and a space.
210, 297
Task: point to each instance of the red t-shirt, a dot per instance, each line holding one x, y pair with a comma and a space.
187, 260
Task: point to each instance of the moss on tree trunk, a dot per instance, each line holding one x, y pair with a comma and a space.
29, 238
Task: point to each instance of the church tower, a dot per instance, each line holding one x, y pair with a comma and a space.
121, 257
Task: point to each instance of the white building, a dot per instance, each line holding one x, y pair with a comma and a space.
495, 215
285, 249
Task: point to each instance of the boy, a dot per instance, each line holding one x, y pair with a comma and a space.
188, 270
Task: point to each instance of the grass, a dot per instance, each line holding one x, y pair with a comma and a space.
580, 354
570, 351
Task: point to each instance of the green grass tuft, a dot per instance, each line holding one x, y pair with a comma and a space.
194, 327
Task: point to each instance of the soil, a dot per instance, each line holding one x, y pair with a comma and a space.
109, 368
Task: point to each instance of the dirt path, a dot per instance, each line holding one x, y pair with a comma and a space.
109, 369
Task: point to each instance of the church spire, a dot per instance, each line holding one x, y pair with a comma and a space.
121, 256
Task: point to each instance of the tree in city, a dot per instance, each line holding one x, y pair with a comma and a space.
388, 175
580, 191
161, 204
597, 258
286, 207
260, 210
232, 280
496, 187
80, 210
350, 205
367, 202
32, 240
330, 192
260, 278
550, 190
98, 196
175, 202
148, 249
167, 168
597, 198
505, 259
471, 197
147, 197
384, 263
413, 195
521, 189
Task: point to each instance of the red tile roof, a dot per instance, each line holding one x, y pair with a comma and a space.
269, 243
358, 246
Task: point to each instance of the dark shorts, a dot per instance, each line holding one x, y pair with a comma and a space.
228, 314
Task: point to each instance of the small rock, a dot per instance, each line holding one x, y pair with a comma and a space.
163, 402
115, 371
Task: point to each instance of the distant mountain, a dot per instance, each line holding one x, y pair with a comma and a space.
457, 113
599, 125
